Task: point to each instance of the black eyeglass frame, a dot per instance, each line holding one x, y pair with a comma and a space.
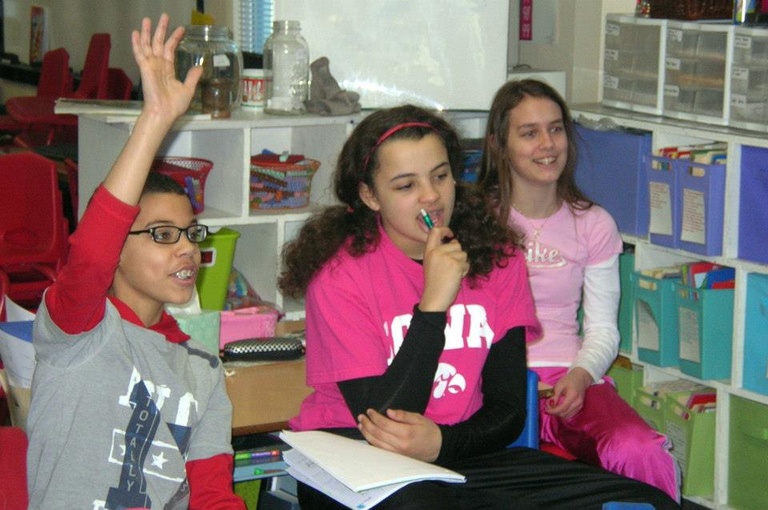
152, 233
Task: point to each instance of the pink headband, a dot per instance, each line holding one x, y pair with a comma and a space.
391, 131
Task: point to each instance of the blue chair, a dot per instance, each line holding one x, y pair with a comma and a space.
529, 437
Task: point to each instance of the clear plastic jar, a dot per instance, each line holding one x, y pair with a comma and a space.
286, 69
213, 48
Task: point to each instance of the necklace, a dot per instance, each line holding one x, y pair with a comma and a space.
537, 228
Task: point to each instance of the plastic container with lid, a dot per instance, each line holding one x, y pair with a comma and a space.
253, 89
286, 67
213, 48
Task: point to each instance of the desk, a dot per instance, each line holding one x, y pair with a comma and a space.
265, 396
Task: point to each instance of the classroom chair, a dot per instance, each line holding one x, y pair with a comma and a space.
13, 466
49, 127
55, 81
33, 229
4, 284
94, 78
71, 167
529, 437
119, 84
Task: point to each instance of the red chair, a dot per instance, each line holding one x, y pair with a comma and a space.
55, 81
4, 284
556, 450
119, 84
62, 128
94, 78
13, 465
71, 168
33, 229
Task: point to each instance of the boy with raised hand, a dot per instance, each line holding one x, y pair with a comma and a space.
127, 411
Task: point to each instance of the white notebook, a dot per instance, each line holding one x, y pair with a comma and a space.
367, 474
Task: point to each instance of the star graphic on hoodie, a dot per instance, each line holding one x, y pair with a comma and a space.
159, 460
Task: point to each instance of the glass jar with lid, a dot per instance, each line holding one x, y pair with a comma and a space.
213, 48
286, 69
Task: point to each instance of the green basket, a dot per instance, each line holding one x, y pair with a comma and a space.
748, 455
218, 253
693, 445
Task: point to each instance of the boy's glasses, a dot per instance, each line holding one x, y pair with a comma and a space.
169, 234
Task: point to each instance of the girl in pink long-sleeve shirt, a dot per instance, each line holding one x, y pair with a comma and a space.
572, 248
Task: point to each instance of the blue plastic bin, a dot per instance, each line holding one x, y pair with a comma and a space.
611, 171
701, 194
664, 208
753, 214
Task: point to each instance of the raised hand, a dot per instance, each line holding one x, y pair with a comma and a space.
164, 94
165, 99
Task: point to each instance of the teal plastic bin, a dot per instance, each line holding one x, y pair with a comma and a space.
705, 327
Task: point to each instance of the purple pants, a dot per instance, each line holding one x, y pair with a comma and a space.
609, 433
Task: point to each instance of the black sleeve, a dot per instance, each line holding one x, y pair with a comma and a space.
502, 417
407, 382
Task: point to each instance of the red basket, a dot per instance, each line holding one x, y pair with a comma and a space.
190, 173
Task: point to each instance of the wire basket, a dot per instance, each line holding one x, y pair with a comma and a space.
190, 173
281, 185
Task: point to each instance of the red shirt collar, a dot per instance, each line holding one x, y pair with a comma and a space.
166, 326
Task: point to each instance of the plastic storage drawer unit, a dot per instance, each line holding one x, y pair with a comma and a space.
633, 63
749, 79
656, 320
697, 83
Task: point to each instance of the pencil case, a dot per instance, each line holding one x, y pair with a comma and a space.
263, 349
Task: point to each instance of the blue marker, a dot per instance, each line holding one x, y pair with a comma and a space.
427, 219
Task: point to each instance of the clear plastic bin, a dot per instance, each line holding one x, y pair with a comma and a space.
633, 63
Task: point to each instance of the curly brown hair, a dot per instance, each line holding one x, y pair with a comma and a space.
352, 224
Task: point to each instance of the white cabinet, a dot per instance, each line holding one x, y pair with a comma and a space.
229, 144
671, 132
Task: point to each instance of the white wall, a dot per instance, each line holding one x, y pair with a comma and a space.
72, 22
577, 45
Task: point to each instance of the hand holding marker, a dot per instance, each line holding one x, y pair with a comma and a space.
427, 219
431, 224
